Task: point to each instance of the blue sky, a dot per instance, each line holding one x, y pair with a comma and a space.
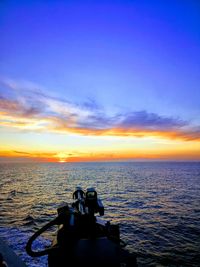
134, 60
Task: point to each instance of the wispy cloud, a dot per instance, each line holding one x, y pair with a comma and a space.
148, 120
15, 156
26, 106
21, 152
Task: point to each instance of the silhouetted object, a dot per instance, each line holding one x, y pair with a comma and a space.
2, 262
82, 239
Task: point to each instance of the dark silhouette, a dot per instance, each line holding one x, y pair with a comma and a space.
2, 262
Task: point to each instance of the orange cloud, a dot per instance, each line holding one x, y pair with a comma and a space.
26, 156
59, 125
136, 154
32, 110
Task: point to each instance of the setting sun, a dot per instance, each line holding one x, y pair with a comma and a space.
86, 84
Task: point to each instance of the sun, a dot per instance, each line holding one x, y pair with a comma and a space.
62, 160
62, 157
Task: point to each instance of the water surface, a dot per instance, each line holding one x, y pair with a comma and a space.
156, 204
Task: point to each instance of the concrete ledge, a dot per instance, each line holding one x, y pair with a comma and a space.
9, 255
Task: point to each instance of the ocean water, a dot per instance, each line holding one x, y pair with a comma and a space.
156, 204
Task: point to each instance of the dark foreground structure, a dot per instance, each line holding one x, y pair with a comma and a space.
82, 239
9, 256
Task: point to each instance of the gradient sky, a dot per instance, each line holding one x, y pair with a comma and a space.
99, 80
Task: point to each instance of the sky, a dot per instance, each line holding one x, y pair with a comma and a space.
99, 80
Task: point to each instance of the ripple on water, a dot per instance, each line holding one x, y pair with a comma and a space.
156, 205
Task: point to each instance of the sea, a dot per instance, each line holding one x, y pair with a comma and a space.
155, 204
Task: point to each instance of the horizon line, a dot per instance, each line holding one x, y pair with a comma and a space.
108, 161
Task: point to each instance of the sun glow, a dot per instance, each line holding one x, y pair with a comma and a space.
62, 160
106, 150
62, 157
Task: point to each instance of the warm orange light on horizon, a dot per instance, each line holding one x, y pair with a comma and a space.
62, 161
138, 154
